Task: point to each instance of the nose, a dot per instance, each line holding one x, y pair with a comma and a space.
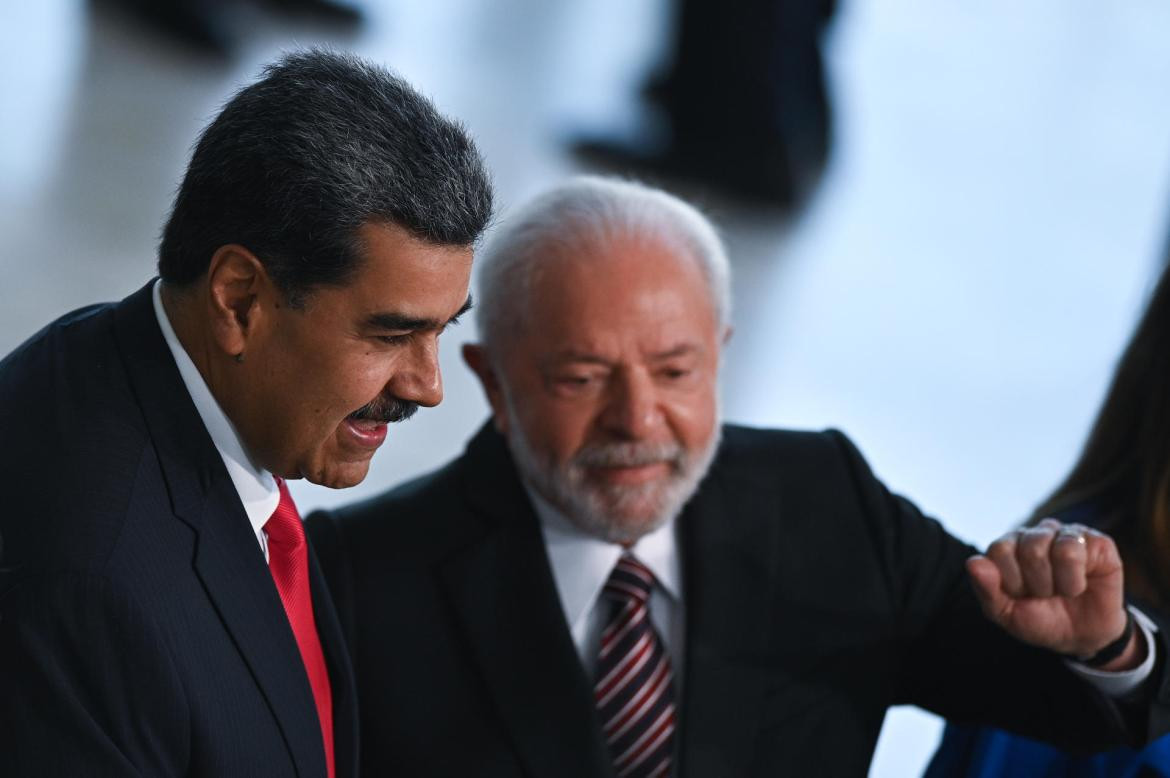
632, 410
419, 378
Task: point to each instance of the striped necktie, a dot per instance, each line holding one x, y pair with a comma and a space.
634, 690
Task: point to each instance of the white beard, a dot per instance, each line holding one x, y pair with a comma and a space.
617, 513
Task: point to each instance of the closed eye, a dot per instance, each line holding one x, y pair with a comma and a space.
576, 384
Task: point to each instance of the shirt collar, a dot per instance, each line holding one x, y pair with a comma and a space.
256, 487
581, 563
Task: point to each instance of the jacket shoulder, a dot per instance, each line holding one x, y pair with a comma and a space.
71, 374
752, 452
422, 512
75, 442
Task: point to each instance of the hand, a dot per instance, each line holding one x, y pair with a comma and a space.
1057, 586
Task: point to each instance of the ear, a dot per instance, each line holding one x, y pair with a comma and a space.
477, 359
236, 279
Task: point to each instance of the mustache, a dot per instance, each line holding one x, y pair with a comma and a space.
386, 410
629, 454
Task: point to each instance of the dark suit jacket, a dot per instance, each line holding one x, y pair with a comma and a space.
140, 630
814, 601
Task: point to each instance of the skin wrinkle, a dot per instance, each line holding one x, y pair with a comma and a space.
610, 406
338, 365
590, 211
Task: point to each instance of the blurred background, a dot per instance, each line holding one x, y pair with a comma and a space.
951, 286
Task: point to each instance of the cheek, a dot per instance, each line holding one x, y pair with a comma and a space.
556, 427
693, 418
357, 380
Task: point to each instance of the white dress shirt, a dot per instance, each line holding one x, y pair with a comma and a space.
256, 487
581, 564
1120, 684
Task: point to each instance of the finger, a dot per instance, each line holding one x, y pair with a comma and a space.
1003, 553
1032, 552
987, 583
1069, 557
1103, 557
1105, 584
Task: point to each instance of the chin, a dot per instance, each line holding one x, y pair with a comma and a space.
618, 521
341, 475
640, 519
628, 529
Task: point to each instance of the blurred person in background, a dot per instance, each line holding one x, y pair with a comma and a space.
1121, 485
160, 611
610, 581
210, 26
744, 100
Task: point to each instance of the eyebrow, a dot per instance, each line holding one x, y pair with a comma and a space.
578, 356
582, 356
681, 350
400, 321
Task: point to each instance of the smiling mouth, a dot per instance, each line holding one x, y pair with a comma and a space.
366, 427
633, 473
366, 433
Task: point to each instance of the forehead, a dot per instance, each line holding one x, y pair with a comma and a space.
400, 272
620, 293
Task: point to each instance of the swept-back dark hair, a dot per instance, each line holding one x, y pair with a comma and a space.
295, 163
1123, 475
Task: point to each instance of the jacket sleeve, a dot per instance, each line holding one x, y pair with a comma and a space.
956, 663
87, 687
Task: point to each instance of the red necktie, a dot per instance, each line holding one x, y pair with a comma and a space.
288, 559
634, 689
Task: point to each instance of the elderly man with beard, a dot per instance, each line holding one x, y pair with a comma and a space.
610, 582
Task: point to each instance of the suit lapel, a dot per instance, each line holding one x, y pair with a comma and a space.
231, 566
504, 596
228, 560
728, 575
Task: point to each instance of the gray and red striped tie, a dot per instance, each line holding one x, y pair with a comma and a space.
634, 690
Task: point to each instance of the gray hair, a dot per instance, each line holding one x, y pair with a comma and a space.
581, 213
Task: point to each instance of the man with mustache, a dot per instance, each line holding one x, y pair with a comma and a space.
385, 410
160, 611
610, 582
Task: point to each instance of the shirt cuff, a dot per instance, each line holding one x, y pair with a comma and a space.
1119, 684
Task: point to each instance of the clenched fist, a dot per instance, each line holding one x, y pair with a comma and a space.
1058, 586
